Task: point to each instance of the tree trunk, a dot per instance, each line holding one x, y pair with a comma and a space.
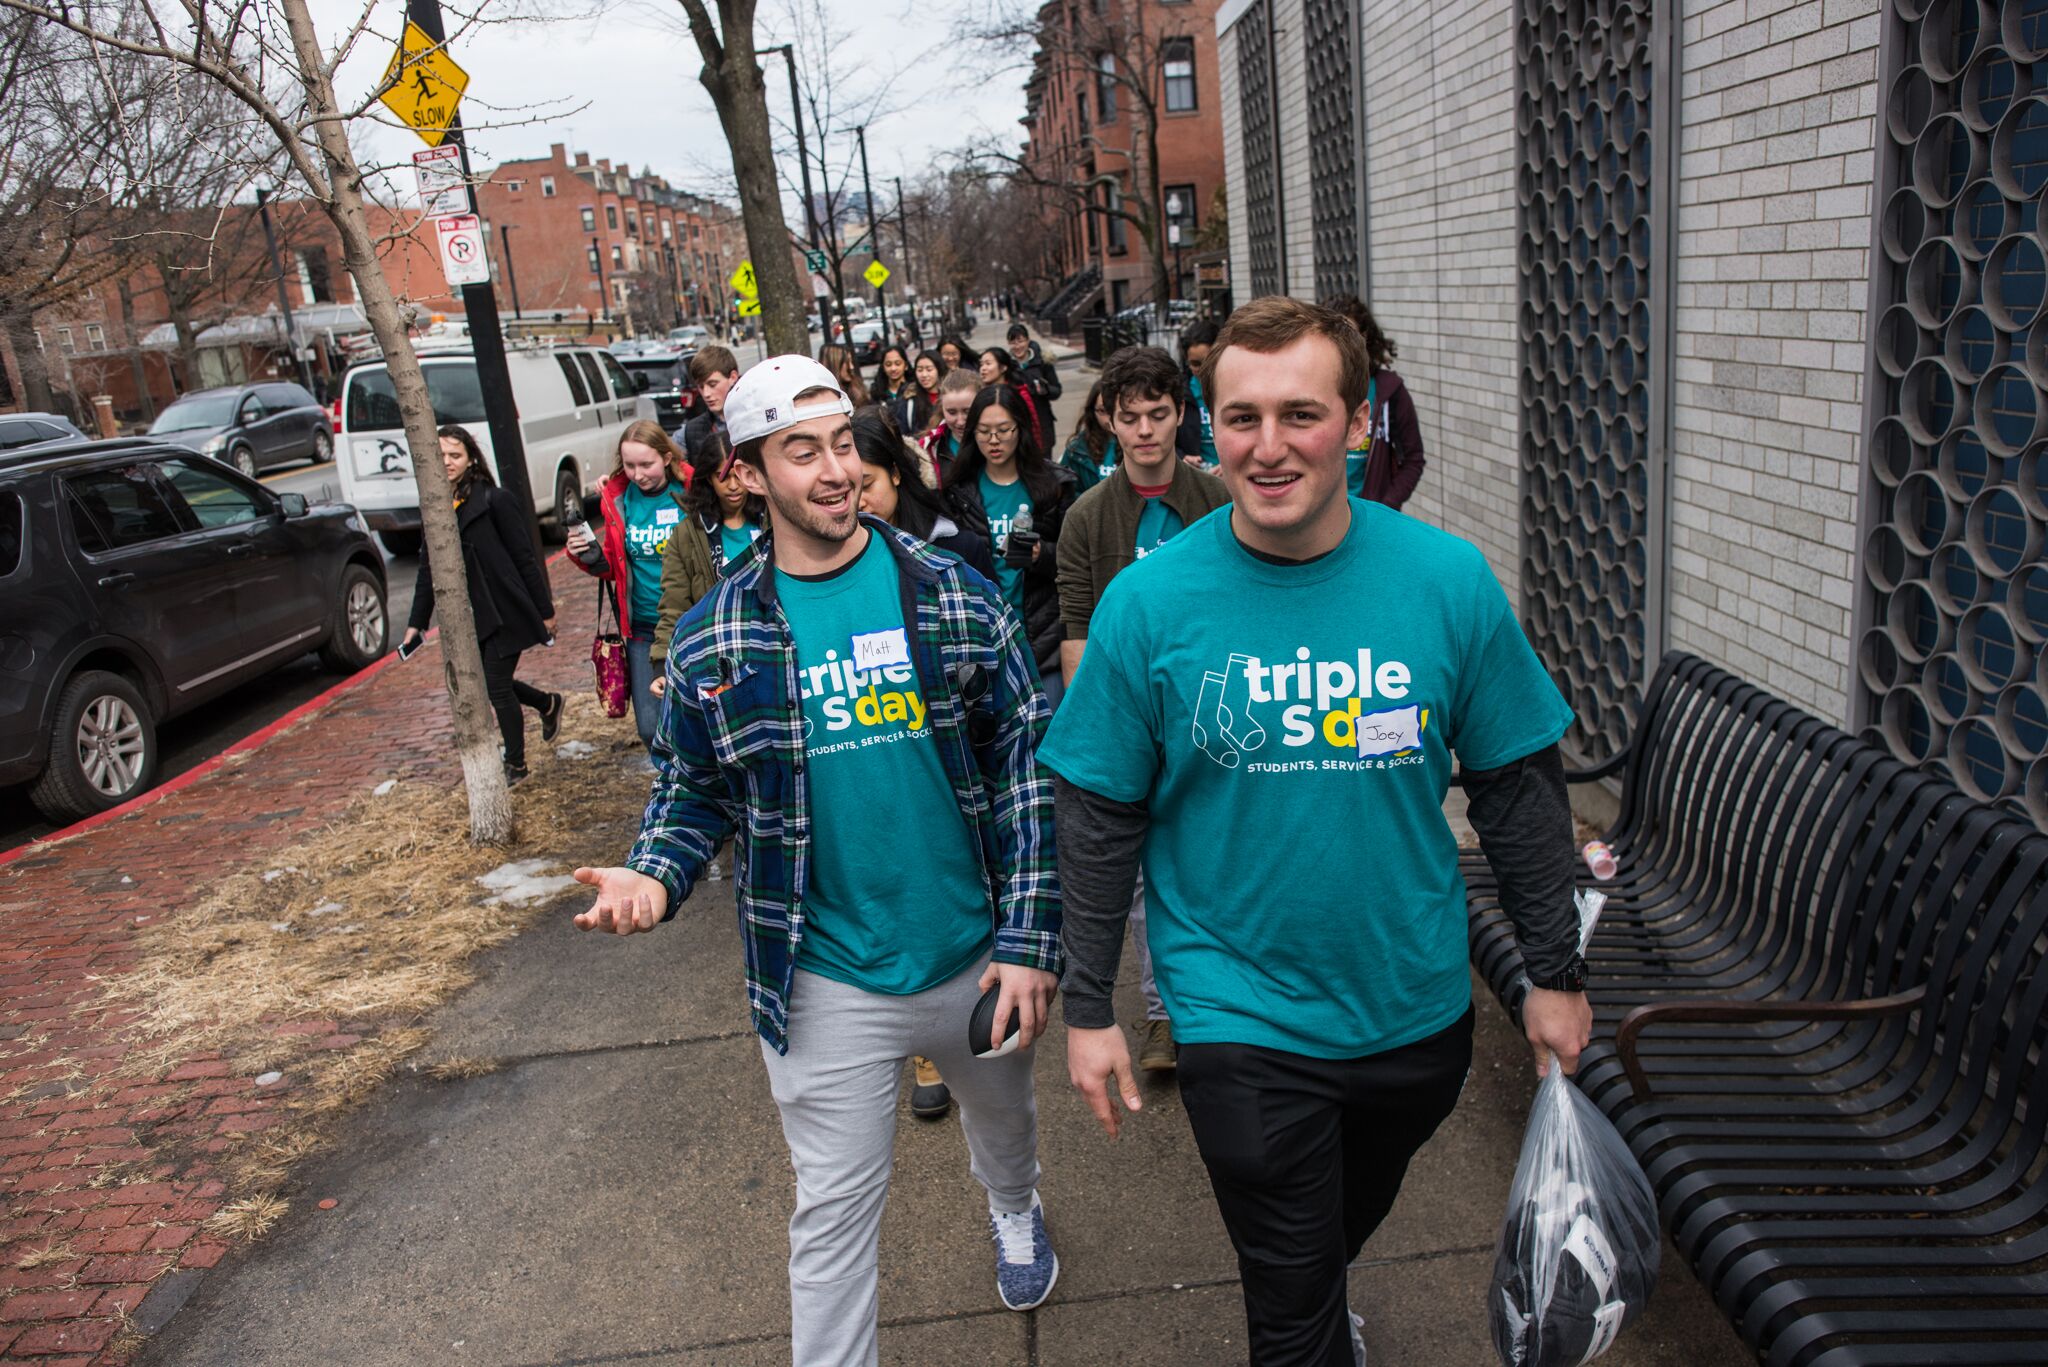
188, 337
36, 396
476, 733
142, 394
738, 94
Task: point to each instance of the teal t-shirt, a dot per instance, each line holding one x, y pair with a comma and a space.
651, 519
1156, 524
1355, 462
895, 900
1209, 457
734, 541
1003, 502
1291, 728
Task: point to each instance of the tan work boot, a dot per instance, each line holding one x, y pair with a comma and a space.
930, 1098
1159, 1053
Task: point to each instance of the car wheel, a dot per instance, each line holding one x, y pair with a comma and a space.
568, 495
243, 459
361, 629
400, 544
323, 447
102, 748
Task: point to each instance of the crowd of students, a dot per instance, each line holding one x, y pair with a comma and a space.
1262, 677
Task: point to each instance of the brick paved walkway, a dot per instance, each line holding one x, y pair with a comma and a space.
107, 1180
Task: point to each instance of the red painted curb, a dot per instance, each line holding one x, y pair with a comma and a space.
255, 740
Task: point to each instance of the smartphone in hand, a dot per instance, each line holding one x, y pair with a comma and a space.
408, 649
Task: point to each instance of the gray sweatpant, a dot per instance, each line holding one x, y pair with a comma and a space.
1155, 1009
837, 1089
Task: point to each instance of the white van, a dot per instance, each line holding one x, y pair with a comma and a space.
573, 402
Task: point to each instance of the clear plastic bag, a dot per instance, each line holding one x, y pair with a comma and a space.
1580, 1246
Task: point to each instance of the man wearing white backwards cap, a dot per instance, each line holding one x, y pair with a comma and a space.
863, 711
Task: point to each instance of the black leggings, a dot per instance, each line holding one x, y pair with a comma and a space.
1305, 1156
507, 695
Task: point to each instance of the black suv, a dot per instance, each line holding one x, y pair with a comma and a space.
664, 376
137, 580
250, 426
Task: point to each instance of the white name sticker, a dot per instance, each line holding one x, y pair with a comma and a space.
667, 517
1389, 732
878, 649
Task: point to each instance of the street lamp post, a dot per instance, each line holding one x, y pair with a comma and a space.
909, 289
1173, 207
603, 295
867, 190
803, 161
284, 303
511, 276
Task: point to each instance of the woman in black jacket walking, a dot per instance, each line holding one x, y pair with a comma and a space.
892, 488
508, 593
1004, 487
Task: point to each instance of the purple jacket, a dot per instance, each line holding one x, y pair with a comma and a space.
1393, 461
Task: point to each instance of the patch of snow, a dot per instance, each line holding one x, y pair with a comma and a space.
575, 749
524, 882
269, 1079
272, 875
325, 909
384, 788
126, 879
281, 927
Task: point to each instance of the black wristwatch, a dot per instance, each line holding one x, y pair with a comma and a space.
1571, 978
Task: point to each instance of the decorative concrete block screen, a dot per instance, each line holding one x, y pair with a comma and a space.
1332, 144
1953, 652
1594, 345
1260, 136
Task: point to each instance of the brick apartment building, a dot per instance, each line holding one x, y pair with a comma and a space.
579, 241
1104, 73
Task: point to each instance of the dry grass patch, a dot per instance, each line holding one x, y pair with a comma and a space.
250, 1217
370, 922
56, 1251
456, 1069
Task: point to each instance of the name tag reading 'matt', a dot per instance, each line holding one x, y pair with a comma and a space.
879, 649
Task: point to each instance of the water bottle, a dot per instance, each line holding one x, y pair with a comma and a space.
1599, 860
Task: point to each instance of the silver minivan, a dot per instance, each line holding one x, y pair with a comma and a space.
574, 403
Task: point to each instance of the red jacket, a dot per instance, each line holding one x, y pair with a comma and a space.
614, 544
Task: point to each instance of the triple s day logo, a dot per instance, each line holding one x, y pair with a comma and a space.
1322, 711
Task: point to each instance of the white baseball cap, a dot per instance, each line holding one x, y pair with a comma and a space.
763, 401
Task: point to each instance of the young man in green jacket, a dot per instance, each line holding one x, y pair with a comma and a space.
835, 660
1150, 496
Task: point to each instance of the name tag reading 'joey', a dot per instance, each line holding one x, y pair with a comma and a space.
879, 649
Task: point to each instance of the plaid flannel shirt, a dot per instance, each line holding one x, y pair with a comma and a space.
729, 758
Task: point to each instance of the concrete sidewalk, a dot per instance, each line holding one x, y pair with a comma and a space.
616, 1190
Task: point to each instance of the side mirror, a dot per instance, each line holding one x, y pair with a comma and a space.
641, 382
292, 505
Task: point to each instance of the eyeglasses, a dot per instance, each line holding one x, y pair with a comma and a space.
996, 433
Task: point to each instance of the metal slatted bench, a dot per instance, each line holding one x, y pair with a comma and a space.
1819, 1011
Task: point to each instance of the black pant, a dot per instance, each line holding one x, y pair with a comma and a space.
1306, 1156
506, 695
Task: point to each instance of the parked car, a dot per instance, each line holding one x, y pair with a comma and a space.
664, 377
250, 426
573, 402
869, 341
688, 337
22, 432
139, 579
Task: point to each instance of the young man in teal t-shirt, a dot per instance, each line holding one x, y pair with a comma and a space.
1266, 718
840, 690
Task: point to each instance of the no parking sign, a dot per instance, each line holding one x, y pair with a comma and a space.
462, 250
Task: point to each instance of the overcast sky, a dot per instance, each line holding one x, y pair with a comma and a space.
623, 85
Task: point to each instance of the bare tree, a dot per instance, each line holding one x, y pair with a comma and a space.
732, 76
240, 48
1119, 50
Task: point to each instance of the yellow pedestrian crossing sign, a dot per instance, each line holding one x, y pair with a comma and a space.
743, 281
876, 274
748, 308
423, 85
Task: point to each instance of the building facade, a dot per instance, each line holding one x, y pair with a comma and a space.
1723, 324
585, 243
1124, 95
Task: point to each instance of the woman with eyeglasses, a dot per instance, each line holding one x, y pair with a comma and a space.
999, 367
1004, 485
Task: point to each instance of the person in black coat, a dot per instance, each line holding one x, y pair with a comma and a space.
893, 489
508, 594
1051, 492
